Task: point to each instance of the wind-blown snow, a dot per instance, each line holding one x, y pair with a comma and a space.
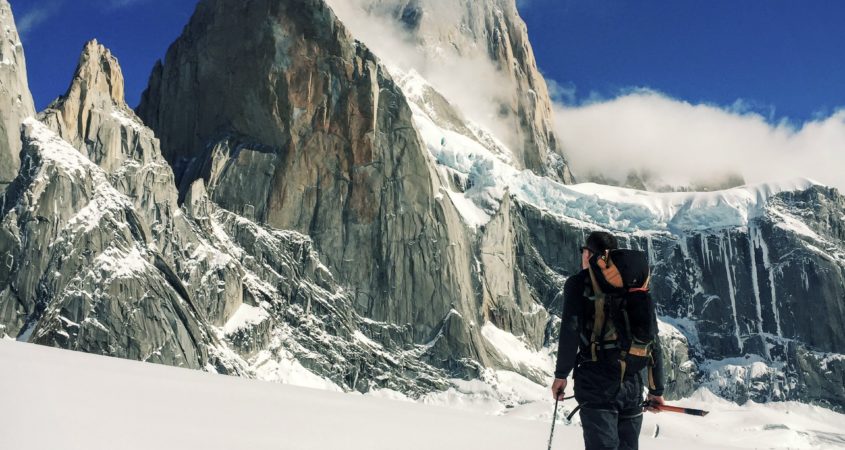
126, 120
283, 367
119, 264
472, 214
96, 403
516, 352
246, 316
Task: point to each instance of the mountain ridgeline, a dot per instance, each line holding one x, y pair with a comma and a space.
283, 202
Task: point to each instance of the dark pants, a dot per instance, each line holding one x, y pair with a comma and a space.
613, 424
609, 429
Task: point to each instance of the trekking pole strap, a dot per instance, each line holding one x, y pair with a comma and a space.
572, 414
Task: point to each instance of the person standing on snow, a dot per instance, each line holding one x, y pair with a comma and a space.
608, 364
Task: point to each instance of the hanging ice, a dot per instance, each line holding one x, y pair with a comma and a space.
767, 264
726, 259
755, 283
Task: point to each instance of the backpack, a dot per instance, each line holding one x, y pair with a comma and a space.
624, 313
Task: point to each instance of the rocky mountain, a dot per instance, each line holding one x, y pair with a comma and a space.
286, 205
15, 98
102, 259
327, 140
447, 32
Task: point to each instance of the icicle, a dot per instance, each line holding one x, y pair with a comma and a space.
650, 249
684, 248
805, 279
755, 282
726, 260
768, 266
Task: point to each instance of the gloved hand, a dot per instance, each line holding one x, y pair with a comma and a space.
654, 402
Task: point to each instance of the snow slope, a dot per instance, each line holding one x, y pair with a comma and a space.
91, 402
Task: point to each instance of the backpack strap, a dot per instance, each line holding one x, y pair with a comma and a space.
651, 384
623, 364
598, 316
644, 287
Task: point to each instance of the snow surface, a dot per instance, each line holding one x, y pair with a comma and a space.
61, 399
126, 120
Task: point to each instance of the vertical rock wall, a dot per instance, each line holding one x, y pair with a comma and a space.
15, 99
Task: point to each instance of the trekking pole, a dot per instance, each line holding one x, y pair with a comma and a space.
677, 409
554, 418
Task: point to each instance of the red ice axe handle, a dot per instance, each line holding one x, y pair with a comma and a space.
677, 409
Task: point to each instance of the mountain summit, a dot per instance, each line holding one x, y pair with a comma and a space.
489, 40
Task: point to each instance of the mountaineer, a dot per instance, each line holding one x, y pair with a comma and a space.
608, 338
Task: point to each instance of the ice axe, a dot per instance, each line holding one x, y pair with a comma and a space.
554, 417
676, 409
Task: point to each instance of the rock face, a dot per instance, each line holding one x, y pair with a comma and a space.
754, 308
326, 140
771, 294
752, 288
128, 273
15, 99
97, 288
489, 30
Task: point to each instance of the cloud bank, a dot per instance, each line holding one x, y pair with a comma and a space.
682, 143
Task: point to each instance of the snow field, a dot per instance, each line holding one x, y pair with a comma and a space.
92, 402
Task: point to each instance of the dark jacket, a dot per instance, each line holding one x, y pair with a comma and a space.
572, 352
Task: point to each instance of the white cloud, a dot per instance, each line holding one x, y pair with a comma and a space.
562, 93
35, 16
682, 143
118, 4
471, 82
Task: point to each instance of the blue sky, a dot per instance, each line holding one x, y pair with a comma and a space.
779, 58
138, 32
